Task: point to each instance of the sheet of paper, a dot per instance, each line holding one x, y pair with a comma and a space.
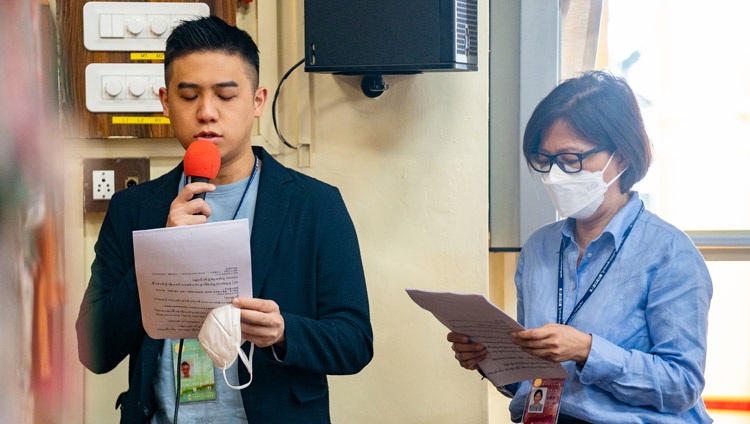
485, 323
184, 272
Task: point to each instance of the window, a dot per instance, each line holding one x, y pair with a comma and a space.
689, 64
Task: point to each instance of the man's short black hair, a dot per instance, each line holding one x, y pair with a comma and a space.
211, 34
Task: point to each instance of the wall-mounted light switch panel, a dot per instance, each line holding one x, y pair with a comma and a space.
134, 26
124, 87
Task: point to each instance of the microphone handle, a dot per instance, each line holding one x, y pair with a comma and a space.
198, 180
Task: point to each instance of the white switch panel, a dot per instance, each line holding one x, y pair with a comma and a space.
134, 26
124, 87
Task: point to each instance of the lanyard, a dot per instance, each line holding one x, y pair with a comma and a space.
247, 187
597, 280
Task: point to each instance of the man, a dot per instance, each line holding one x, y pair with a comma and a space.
309, 315
185, 367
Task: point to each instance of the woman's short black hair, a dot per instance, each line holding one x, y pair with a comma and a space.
211, 34
602, 110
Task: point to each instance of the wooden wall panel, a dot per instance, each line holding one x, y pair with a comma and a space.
79, 122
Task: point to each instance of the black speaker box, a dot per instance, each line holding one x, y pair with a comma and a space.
367, 37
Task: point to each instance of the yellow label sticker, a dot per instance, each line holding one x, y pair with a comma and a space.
142, 120
146, 55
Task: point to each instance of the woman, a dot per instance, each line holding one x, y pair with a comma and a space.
615, 294
537, 405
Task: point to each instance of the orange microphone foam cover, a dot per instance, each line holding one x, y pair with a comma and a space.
202, 159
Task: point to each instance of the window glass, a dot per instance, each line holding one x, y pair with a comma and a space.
728, 367
689, 63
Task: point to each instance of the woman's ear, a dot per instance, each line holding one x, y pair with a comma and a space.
622, 162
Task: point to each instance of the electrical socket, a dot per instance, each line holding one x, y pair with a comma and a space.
103, 184
103, 177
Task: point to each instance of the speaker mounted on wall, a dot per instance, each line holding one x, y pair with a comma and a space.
389, 37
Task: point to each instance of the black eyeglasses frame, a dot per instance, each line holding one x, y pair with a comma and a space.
553, 159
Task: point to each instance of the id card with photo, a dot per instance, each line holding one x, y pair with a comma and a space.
195, 371
543, 401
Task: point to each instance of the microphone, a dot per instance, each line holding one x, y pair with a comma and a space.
202, 162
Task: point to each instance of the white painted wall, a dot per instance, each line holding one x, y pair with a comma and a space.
412, 166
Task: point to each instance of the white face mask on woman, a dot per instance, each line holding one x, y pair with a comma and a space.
577, 195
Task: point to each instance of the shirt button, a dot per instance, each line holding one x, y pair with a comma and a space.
588, 255
573, 286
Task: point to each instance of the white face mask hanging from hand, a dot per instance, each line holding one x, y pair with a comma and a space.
577, 195
221, 338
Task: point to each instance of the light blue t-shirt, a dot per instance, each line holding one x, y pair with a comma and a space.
648, 319
227, 408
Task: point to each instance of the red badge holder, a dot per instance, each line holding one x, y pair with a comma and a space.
543, 402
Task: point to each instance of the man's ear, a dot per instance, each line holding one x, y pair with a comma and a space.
163, 99
261, 95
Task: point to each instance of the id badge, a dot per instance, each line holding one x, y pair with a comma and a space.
195, 371
543, 401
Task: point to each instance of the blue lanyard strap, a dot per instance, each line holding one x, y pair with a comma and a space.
247, 187
597, 280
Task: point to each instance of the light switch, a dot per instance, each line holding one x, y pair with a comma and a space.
118, 30
156, 84
134, 26
112, 87
124, 87
105, 26
137, 86
158, 24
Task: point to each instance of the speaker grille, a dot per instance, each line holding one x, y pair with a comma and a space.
361, 37
466, 31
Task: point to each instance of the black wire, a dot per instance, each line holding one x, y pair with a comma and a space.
273, 106
179, 381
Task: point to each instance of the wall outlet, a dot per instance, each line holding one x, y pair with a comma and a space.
103, 184
103, 177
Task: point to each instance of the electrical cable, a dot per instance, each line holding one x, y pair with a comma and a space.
273, 106
179, 381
